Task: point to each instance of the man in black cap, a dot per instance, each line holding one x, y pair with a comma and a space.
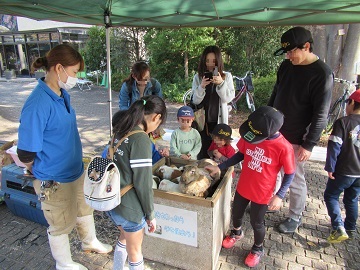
303, 93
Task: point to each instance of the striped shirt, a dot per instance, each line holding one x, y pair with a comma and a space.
134, 160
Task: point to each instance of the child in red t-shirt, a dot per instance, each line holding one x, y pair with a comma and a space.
220, 148
264, 152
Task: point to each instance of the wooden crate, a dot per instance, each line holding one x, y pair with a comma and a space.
190, 229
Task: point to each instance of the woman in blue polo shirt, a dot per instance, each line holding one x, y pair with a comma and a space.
49, 145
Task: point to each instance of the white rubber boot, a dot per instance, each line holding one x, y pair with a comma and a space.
60, 250
85, 227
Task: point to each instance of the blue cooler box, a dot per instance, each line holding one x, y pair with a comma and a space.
22, 201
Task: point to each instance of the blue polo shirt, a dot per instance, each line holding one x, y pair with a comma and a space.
48, 127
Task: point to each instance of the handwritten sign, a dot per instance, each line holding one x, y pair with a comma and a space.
175, 224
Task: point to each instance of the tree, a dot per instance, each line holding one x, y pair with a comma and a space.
127, 47
350, 53
251, 48
95, 48
173, 52
338, 46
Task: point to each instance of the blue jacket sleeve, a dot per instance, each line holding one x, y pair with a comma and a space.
155, 154
333, 150
124, 99
235, 159
285, 184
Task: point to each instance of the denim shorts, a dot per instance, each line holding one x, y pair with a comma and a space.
127, 225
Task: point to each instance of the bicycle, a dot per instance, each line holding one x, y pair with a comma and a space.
243, 86
339, 107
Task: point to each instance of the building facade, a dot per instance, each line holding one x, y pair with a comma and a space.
18, 49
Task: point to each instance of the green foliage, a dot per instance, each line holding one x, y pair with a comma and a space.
95, 49
117, 80
174, 91
173, 52
263, 88
127, 47
173, 55
251, 48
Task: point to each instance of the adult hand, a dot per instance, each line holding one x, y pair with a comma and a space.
303, 154
217, 80
212, 169
28, 166
330, 174
205, 82
152, 225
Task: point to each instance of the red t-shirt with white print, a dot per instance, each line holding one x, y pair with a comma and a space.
262, 162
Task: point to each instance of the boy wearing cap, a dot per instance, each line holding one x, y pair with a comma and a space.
264, 151
302, 92
185, 141
343, 167
220, 148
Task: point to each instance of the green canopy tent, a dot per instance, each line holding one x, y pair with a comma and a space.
185, 13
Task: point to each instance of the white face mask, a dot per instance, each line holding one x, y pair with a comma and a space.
70, 82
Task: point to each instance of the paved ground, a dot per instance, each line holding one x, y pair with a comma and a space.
24, 245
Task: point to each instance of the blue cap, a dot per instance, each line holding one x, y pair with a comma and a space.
185, 111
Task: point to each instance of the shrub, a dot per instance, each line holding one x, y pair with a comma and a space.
263, 88
116, 81
174, 91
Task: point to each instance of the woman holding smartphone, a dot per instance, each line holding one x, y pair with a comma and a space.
213, 93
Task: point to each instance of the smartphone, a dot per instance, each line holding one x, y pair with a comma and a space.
216, 71
208, 75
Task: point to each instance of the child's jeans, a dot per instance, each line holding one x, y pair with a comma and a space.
351, 188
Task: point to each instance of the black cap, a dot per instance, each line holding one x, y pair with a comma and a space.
264, 122
293, 38
222, 131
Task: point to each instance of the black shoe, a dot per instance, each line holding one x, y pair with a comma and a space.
289, 225
351, 234
271, 211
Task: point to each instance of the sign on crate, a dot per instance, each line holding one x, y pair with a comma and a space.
174, 224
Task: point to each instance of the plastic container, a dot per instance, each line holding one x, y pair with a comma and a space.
20, 197
13, 153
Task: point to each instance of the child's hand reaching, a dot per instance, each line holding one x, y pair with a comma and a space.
275, 203
217, 154
212, 169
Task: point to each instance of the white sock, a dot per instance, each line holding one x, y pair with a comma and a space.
120, 256
136, 265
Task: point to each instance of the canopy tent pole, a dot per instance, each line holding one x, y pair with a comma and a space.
108, 67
